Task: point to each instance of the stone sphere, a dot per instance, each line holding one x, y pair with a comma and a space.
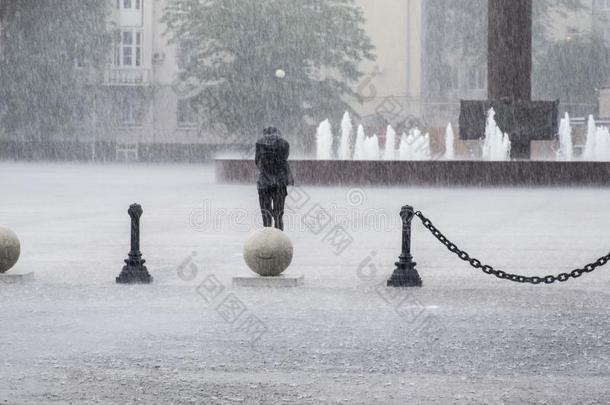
10, 249
268, 252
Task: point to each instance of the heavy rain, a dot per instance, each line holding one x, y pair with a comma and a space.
304, 201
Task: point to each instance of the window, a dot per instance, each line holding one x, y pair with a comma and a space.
476, 78
187, 113
128, 48
450, 78
128, 4
138, 49
78, 56
130, 110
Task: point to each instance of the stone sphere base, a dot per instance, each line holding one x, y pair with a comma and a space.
10, 249
268, 252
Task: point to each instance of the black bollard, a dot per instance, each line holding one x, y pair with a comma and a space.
134, 271
405, 274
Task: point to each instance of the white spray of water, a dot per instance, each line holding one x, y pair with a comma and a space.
496, 146
597, 146
415, 146
566, 146
324, 141
602, 144
404, 150
390, 144
449, 143
589, 151
347, 130
359, 148
371, 148
424, 151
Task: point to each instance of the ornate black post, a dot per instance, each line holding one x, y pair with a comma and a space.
134, 271
405, 274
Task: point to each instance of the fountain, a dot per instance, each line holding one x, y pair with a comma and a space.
371, 148
324, 141
496, 145
602, 144
597, 146
415, 146
390, 144
359, 147
347, 129
566, 146
589, 151
412, 163
404, 149
449, 143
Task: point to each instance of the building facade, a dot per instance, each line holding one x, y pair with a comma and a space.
148, 105
391, 88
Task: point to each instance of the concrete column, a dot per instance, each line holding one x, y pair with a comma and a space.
510, 50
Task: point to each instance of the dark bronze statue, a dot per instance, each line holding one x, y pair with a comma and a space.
274, 176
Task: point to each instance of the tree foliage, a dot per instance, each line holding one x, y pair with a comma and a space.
48, 56
237, 46
573, 70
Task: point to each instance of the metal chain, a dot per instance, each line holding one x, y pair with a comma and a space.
502, 274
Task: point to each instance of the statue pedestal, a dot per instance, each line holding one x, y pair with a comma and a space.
282, 281
16, 277
523, 121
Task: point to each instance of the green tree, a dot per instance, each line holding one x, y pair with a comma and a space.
573, 70
237, 46
51, 53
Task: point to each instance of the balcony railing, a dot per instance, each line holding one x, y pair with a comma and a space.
120, 76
